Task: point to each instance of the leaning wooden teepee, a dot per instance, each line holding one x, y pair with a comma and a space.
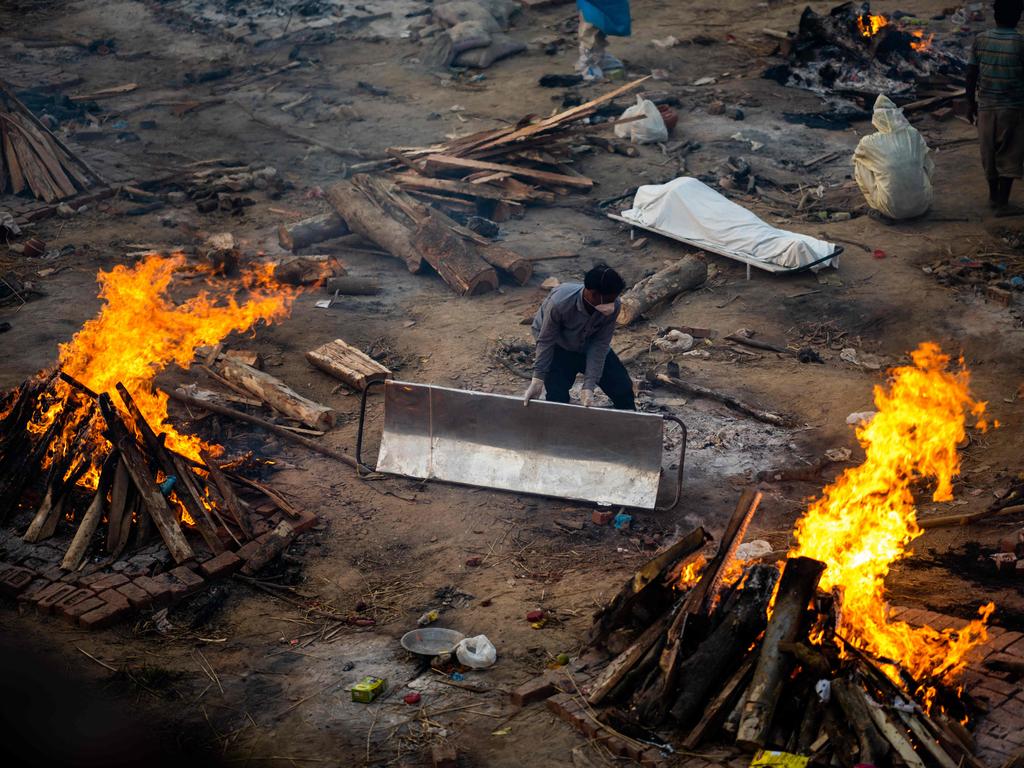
34, 159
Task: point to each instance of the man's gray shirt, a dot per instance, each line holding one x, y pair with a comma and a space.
563, 321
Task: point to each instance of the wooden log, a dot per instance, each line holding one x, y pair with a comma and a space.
91, 519
352, 286
799, 582
747, 341
414, 182
277, 394
370, 219
183, 396
153, 500
722, 704
343, 361
26, 464
307, 270
718, 656
64, 474
184, 488
737, 405
238, 509
456, 260
433, 165
896, 736
272, 545
520, 269
927, 740
120, 507
624, 662
874, 748
315, 229
685, 275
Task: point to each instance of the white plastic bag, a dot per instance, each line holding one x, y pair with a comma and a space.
648, 130
892, 167
476, 652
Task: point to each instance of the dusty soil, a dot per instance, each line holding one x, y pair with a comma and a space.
278, 692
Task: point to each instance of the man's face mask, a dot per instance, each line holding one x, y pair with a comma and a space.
606, 308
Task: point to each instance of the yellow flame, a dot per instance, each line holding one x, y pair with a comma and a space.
869, 24
866, 519
920, 43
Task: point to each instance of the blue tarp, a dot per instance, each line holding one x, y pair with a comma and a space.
610, 16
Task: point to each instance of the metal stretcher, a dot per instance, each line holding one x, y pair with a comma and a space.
550, 449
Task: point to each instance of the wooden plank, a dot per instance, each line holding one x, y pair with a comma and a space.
119, 507
722, 704
622, 663
152, 499
350, 365
91, 519
413, 181
439, 163
235, 505
46, 152
13, 166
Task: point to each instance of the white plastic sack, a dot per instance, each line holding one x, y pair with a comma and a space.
476, 652
892, 166
689, 210
649, 130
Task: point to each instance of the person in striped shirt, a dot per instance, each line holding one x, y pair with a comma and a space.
995, 101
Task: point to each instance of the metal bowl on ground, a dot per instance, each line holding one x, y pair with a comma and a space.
431, 641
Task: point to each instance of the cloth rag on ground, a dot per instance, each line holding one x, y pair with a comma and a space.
892, 166
687, 209
610, 16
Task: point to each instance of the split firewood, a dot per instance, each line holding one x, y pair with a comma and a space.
238, 508
120, 507
894, 734
277, 394
91, 519
435, 165
685, 275
368, 214
798, 585
152, 499
508, 261
273, 545
721, 652
726, 699
874, 747
307, 270
297, 235
737, 405
343, 361
624, 662
182, 396
352, 286
456, 260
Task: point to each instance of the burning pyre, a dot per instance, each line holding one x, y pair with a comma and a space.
71, 427
854, 52
810, 663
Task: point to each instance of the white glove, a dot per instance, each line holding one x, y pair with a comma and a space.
534, 390
586, 397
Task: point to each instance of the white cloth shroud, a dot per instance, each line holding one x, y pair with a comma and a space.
689, 210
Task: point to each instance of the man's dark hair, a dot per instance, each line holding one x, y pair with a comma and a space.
604, 280
1008, 12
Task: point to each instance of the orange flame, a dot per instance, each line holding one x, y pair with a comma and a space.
869, 24
139, 331
690, 573
866, 519
920, 43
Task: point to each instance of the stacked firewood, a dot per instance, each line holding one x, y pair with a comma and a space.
756, 662
34, 159
413, 209
141, 483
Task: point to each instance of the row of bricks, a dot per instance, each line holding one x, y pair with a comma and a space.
100, 600
1000, 640
577, 715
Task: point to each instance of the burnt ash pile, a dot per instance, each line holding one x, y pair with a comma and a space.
853, 53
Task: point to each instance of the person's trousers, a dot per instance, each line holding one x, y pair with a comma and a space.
593, 42
1001, 135
614, 382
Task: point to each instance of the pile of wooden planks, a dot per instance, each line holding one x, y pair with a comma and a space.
95, 463
748, 653
33, 159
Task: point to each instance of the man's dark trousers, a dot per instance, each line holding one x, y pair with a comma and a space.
614, 382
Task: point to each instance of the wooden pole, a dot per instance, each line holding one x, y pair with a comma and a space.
91, 519
369, 219
685, 275
737, 405
799, 582
276, 394
315, 229
235, 505
874, 748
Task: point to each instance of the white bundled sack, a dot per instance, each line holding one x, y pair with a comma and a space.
650, 129
892, 167
476, 652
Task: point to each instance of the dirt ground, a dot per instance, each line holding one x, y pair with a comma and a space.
278, 692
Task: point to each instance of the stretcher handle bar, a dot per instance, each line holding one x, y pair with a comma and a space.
834, 255
360, 466
679, 472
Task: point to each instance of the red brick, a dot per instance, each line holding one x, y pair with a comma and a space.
53, 573
29, 593
104, 616
115, 598
109, 581
999, 642
304, 523
443, 755
54, 595
652, 758
999, 686
193, 582
616, 746
1012, 721
248, 550
72, 599
220, 566
15, 580
159, 591
601, 516
559, 704
538, 689
1016, 649
77, 610
91, 578
53, 588
138, 598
